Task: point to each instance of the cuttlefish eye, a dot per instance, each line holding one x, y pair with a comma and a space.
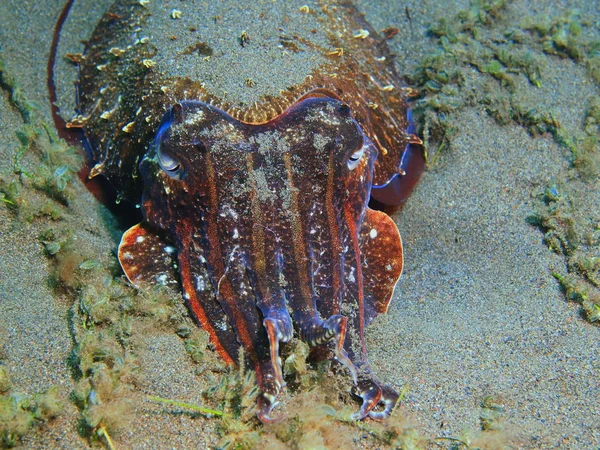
354, 158
170, 165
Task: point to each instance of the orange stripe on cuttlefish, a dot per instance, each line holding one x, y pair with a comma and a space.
196, 306
300, 255
225, 292
265, 298
334, 230
359, 277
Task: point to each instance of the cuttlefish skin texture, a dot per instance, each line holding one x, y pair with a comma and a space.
259, 213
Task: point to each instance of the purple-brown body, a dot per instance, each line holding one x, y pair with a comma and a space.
258, 211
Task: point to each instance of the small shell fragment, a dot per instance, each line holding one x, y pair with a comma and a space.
361, 34
129, 127
116, 51
176, 14
149, 63
78, 121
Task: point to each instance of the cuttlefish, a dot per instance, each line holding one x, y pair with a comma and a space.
255, 194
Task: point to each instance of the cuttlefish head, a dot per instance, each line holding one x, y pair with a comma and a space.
265, 228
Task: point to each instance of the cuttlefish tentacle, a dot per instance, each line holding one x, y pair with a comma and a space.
278, 326
389, 398
371, 394
260, 343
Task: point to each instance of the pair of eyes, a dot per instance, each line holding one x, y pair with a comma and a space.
174, 169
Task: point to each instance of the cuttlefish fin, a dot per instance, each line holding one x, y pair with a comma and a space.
146, 258
382, 260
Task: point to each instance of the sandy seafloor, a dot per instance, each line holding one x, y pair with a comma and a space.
477, 311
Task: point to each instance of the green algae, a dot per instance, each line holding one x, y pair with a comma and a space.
50, 169
54, 163
42, 164
482, 37
565, 213
318, 415
492, 413
184, 405
17, 98
20, 414
106, 314
106, 317
571, 230
505, 53
197, 345
443, 76
563, 36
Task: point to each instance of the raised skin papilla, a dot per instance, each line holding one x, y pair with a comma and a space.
272, 234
